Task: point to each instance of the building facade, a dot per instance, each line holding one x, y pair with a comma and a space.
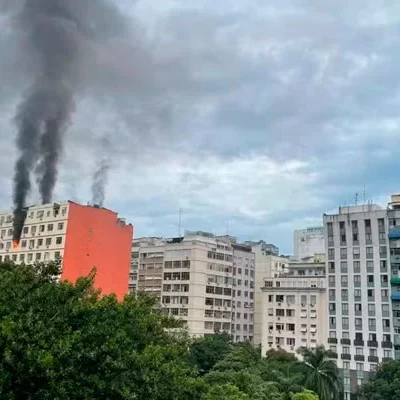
308, 242
294, 306
206, 280
266, 265
394, 247
83, 237
359, 315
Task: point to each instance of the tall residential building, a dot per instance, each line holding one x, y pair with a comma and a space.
266, 265
206, 280
359, 306
81, 236
308, 242
394, 245
294, 308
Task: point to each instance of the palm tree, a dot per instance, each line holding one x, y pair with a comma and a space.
321, 373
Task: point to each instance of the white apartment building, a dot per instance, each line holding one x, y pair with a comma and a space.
266, 265
359, 308
294, 307
206, 280
43, 235
308, 242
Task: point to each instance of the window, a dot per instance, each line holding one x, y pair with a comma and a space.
344, 280
371, 309
358, 323
30, 257
343, 267
25, 231
343, 253
346, 380
357, 294
386, 323
357, 280
57, 255
332, 334
345, 294
373, 352
48, 241
371, 324
345, 323
331, 254
345, 308
332, 307
356, 267
346, 350
359, 351
332, 281
59, 240
208, 325
357, 307
369, 252
370, 266
14, 257
346, 365
22, 257
40, 242
38, 256
359, 366
23, 244
356, 252
41, 228
383, 265
387, 353
60, 226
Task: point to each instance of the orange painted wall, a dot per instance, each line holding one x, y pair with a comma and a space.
95, 238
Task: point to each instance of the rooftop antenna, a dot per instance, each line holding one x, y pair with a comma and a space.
356, 198
364, 194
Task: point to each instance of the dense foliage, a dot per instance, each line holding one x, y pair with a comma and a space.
384, 384
64, 341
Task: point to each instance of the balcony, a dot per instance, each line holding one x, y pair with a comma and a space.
397, 340
345, 341
386, 359
394, 259
373, 359
395, 296
395, 280
372, 343
345, 357
358, 342
332, 340
394, 232
358, 357
387, 345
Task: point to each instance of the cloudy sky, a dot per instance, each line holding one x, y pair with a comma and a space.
254, 117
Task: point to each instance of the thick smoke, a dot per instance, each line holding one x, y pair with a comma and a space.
56, 35
100, 178
100, 175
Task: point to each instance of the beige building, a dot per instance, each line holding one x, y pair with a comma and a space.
266, 266
206, 280
294, 308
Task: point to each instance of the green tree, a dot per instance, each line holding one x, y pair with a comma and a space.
63, 341
304, 395
205, 352
225, 392
384, 384
321, 373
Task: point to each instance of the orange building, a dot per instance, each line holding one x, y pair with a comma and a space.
84, 237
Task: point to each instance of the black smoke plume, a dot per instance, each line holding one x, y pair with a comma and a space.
55, 35
100, 178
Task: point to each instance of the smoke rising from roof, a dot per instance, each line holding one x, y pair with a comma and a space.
56, 35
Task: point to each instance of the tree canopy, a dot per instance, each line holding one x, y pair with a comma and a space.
384, 384
62, 341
